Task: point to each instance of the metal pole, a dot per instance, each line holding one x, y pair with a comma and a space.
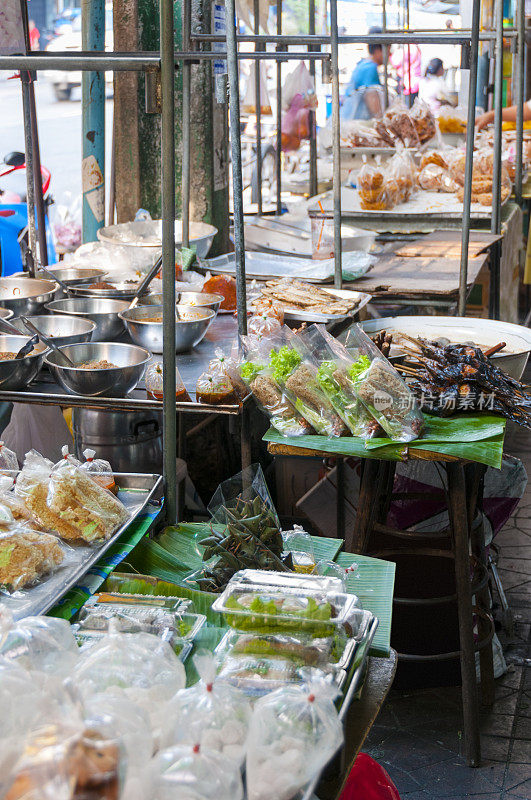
236, 151
187, 81
520, 94
93, 122
336, 149
471, 122
25, 79
37, 176
495, 225
385, 55
168, 258
278, 153
258, 108
313, 130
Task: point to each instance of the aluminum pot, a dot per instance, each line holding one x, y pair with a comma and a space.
131, 441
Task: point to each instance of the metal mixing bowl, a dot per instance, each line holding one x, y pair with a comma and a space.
189, 329
74, 275
60, 328
148, 234
196, 299
6, 313
102, 311
16, 374
26, 295
131, 362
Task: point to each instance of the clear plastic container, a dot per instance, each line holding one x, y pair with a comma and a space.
159, 601
259, 675
288, 580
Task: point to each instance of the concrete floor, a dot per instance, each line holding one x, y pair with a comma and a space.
418, 735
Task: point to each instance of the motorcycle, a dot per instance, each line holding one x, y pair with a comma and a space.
14, 218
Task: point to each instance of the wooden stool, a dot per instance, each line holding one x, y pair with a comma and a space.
465, 482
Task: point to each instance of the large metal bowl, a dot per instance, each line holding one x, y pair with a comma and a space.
195, 299
5, 313
131, 362
121, 289
190, 327
26, 295
149, 234
60, 328
102, 311
74, 275
16, 374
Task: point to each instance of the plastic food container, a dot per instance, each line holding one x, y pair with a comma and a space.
263, 609
288, 580
160, 601
256, 676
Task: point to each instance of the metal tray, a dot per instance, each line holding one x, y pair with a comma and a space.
298, 315
135, 491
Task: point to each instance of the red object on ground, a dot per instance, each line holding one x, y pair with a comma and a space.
369, 781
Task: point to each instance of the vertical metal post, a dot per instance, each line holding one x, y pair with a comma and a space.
278, 153
93, 122
258, 108
471, 121
385, 55
336, 149
185, 170
313, 130
25, 78
168, 258
236, 151
37, 177
495, 224
520, 87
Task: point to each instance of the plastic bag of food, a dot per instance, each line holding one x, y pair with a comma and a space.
99, 470
359, 133
300, 545
400, 169
398, 120
266, 307
67, 457
452, 120
318, 345
297, 375
26, 556
245, 494
35, 473
423, 120
294, 732
256, 372
433, 157
8, 459
214, 389
16, 506
224, 285
189, 772
431, 177
380, 388
210, 713
38, 643
372, 188
75, 506
154, 383
228, 366
263, 325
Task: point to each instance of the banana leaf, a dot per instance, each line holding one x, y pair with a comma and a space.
459, 428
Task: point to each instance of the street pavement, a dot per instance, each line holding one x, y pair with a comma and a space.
59, 134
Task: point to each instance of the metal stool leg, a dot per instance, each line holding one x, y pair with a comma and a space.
457, 508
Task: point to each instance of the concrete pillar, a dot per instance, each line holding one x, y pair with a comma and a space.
138, 134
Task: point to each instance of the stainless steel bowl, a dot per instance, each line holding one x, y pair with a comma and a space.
120, 290
102, 311
5, 313
196, 299
74, 275
16, 374
189, 329
60, 328
26, 295
131, 362
149, 234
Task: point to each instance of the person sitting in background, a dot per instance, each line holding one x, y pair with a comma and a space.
433, 90
34, 35
362, 97
508, 115
407, 61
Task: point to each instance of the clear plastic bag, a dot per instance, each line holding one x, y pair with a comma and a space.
35, 473
263, 325
423, 120
15, 504
75, 506
67, 457
248, 493
26, 556
401, 169
8, 459
398, 120
360, 133
154, 383
380, 388
214, 389
189, 772
257, 675
266, 307
293, 733
300, 545
228, 366
38, 643
430, 178
372, 188
99, 470
452, 120
209, 713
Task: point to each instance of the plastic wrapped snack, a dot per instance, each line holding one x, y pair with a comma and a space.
423, 120
8, 459
398, 120
430, 178
67, 457
16, 505
38, 643
433, 157
294, 732
401, 171
317, 341
266, 306
452, 120
214, 389
359, 133
372, 188
229, 367
263, 325
380, 388
298, 377
26, 555
99, 470
75, 506
189, 772
34, 474
154, 382
256, 372
210, 713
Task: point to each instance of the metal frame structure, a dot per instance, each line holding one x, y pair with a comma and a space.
165, 63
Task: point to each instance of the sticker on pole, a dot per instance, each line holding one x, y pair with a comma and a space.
11, 28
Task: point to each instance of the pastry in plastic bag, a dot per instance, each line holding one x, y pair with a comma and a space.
430, 177
423, 120
35, 472
294, 732
26, 555
75, 506
189, 772
398, 119
38, 643
210, 713
214, 389
16, 505
401, 172
433, 157
8, 459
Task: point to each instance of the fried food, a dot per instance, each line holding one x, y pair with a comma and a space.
26, 555
102, 364
433, 158
294, 294
7, 356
